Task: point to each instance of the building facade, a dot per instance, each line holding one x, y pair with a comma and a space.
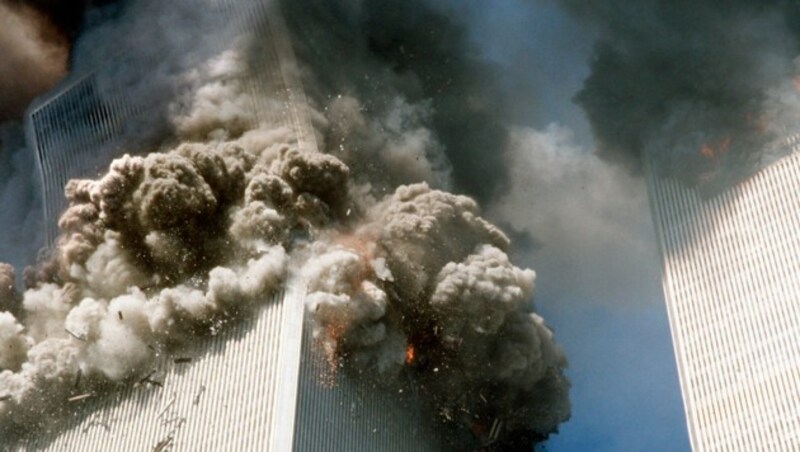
731, 277
258, 385
62, 129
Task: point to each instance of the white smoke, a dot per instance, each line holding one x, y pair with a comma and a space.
218, 103
581, 213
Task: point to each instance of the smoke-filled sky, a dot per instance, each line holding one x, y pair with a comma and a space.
705, 90
540, 110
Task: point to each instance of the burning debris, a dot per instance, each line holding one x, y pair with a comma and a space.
404, 280
432, 291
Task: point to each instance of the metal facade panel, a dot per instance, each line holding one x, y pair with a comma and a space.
224, 399
358, 414
731, 275
66, 132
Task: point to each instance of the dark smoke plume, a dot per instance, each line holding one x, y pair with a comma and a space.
403, 65
706, 88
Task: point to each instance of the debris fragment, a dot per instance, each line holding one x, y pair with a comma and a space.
199, 393
167, 406
80, 397
163, 444
149, 380
76, 336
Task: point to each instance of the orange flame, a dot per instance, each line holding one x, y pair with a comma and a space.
796, 82
329, 346
361, 244
409, 354
709, 150
757, 124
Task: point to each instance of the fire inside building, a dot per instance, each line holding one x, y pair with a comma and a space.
731, 277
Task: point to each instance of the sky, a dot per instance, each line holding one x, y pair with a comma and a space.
591, 238
625, 393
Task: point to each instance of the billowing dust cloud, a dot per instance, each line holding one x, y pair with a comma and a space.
707, 90
404, 280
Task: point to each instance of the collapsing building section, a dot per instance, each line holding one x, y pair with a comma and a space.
224, 285
257, 384
731, 275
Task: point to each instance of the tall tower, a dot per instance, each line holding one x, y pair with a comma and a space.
74, 133
731, 277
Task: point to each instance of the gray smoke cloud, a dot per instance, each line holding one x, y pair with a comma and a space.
21, 221
706, 89
404, 279
34, 58
581, 212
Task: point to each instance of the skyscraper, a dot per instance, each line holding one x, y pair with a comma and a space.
73, 134
731, 277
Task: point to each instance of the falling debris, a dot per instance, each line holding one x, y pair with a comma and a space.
78, 398
494, 432
76, 336
163, 444
167, 406
147, 379
8, 290
198, 395
409, 354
